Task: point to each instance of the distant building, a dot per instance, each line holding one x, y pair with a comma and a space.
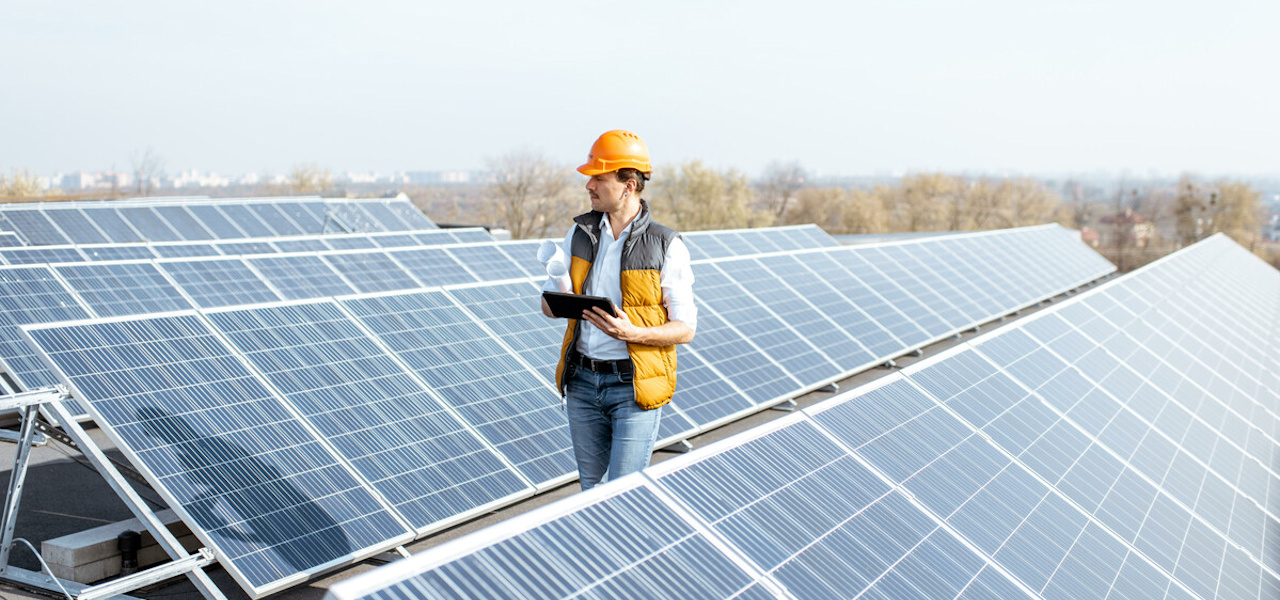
429, 177
193, 178
1125, 229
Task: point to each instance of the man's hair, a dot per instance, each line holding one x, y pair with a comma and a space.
625, 175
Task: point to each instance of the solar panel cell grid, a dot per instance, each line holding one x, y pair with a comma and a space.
350, 242
371, 271
118, 289
183, 222
432, 266
487, 262
273, 501
299, 277
471, 236
116, 228
216, 222
276, 219
77, 227
384, 218
149, 224
308, 216
246, 220
31, 295
410, 215
184, 250
37, 229
8, 239
35, 255
218, 282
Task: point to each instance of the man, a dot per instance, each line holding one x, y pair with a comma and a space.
617, 373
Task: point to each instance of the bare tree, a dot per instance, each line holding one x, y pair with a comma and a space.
148, 169
19, 184
779, 185
529, 194
309, 178
693, 196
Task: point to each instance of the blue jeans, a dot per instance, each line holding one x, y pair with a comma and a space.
612, 436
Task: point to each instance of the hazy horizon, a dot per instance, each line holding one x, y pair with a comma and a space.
989, 87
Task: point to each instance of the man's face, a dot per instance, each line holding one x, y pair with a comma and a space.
606, 192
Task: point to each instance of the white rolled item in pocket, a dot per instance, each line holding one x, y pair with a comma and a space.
557, 272
549, 251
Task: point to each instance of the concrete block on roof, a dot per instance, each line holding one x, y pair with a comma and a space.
91, 555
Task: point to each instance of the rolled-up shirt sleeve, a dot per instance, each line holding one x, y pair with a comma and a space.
677, 285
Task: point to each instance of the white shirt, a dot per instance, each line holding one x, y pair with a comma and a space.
676, 279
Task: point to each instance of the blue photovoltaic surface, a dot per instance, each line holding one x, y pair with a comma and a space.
759, 241
184, 250
215, 221
299, 277
35, 255
247, 221
271, 499
350, 242
759, 378
702, 396
410, 215
412, 450
354, 218
525, 254
732, 304
34, 226
309, 216
245, 248
898, 296
470, 236
881, 310
399, 240
31, 295
149, 224
903, 269
301, 245
184, 223
773, 291
704, 245
992, 279
9, 239
118, 289
630, 545
965, 287
432, 266
784, 239
276, 219
434, 238
371, 271
384, 216
77, 227
511, 407
487, 262
842, 311
118, 252
218, 282
117, 229
513, 312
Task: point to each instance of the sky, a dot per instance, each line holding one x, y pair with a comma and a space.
844, 88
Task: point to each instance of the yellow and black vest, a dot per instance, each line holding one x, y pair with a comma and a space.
643, 254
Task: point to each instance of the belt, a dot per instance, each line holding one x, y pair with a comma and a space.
622, 365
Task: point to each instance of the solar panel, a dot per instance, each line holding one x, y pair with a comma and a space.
118, 289
301, 245
218, 282
77, 227
772, 291
434, 238
469, 236
33, 255
432, 266
629, 544
756, 375
184, 223
252, 481
31, 295
759, 241
215, 221
513, 409
9, 239
34, 226
929, 288
400, 240
371, 271
525, 254
298, 277
149, 224
384, 217
247, 221
245, 248
276, 219
410, 215
309, 216
98, 253
704, 245
487, 262
758, 324
888, 289
116, 228
402, 440
513, 312
352, 217
183, 250
350, 242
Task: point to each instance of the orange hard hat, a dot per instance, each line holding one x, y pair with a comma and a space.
617, 149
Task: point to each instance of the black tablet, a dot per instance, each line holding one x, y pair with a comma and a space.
570, 306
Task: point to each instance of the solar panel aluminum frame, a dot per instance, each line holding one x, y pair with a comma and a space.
549, 484
478, 511
154, 482
362, 586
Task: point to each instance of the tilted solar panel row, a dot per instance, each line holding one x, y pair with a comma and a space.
1120, 445
26, 255
411, 392
195, 219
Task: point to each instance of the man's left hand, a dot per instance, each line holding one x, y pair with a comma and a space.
618, 328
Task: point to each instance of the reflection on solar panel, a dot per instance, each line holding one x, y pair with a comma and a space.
382, 215
35, 227
113, 225
630, 544
512, 408
31, 295
410, 215
353, 218
371, 271
77, 227
118, 252
218, 282
226, 454
32, 255
432, 266
118, 289
300, 277
396, 435
487, 262
309, 216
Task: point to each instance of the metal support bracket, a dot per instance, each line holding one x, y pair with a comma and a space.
889, 364
679, 447
787, 406
830, 388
